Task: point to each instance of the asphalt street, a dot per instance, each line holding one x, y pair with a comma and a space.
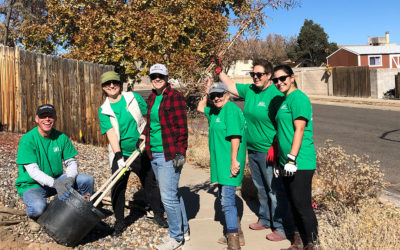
359, 131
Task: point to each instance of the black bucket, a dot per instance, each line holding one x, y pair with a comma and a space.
69, 221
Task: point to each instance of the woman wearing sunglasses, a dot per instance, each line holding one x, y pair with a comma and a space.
121, 119
261, 101
166, 143
298, 157
227, 145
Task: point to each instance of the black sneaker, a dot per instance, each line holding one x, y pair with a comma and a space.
119, 228
161, 222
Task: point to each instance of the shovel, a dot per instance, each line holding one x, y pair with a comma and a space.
116, 176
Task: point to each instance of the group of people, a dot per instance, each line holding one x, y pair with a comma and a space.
276, 122
277, 117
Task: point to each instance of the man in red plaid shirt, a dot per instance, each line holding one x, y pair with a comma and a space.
166, 143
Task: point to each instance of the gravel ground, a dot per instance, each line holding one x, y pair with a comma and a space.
141, 233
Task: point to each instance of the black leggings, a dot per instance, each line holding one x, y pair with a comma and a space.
298, 188
142, 168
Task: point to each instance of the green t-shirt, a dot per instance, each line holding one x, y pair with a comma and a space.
260, 108
296, 105
126, 123
155, 126
48, 153
223, 124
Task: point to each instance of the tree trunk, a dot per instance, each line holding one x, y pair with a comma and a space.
7, 21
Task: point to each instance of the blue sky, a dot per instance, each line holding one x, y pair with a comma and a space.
347, 22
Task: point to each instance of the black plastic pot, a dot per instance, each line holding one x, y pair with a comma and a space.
69, 221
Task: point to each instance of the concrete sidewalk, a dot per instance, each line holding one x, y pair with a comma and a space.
356, 102
199, 196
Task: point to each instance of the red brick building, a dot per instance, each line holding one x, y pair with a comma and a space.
372, 56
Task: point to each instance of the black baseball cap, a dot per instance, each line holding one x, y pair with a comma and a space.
46, 108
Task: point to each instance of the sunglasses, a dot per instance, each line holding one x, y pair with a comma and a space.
215, 95
156, 75
281, 78
108, 84
258, 74
45, 115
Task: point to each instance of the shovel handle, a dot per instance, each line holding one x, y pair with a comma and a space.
127, 163
118, 174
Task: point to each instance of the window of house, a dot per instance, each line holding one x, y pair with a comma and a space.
375, 61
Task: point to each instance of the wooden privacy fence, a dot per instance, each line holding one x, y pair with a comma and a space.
351, 81
28, 80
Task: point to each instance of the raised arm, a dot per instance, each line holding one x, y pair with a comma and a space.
203, 101
229, 83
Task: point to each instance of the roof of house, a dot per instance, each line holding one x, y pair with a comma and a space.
370, 50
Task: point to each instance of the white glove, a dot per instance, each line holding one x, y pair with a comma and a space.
276, 170
290, 167
120, 159
121, 163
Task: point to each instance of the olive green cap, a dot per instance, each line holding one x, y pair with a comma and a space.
110, 76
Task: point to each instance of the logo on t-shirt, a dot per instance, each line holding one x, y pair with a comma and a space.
217, 120
56, 149
284, 106
261, 104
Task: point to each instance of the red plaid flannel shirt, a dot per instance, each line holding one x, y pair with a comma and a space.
173, 121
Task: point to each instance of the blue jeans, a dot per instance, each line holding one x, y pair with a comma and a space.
274, 208
35, 198
168, 180
227, 195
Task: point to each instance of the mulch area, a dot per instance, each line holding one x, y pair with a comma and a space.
142, 232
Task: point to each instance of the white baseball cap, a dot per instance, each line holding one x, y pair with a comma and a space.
158, 69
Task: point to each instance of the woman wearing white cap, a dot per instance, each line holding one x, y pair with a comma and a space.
227, 145
166, 143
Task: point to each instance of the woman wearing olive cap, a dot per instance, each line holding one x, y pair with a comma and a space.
227, 145
121, 119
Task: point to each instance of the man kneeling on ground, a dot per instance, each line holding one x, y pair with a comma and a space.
40, 158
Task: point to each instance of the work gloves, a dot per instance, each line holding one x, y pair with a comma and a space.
62, 187
290, 167
179, 160
120, 159
218, 64
272, 155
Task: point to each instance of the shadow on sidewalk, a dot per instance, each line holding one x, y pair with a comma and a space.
192, 198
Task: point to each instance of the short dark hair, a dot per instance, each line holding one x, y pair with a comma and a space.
264, 63
287, 69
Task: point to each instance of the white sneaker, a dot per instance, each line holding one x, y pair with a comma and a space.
169, 244
149, 214
165, 238
186, 235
